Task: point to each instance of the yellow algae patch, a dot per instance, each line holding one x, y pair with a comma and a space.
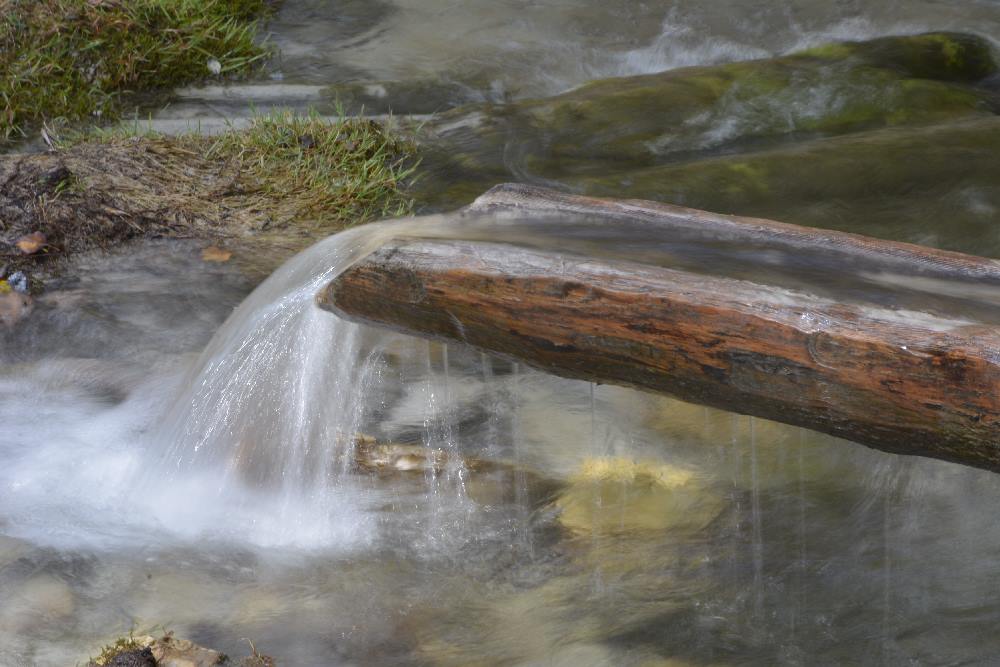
617, 495
627, 470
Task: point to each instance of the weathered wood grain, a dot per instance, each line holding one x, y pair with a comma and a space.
904, 382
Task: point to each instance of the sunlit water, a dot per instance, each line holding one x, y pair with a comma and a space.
167, 459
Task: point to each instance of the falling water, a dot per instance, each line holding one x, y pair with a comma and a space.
159, 487
757, 536
148, 478
267, 420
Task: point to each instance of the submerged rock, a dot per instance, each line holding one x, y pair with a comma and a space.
170, 652
615, 586
623, 124
614, 495
488, 482
373, 456
932, 185
41, 599
19, 282
14, 306
756, 453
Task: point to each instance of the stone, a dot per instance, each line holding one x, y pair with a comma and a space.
41, 599
373, 456
170, 652
616, 495
18, 282
14, 306
140, 657
257, 660
629, 123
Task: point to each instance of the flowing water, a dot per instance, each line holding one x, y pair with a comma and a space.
443, 53
176, 452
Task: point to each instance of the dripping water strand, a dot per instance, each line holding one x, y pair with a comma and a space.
757, 537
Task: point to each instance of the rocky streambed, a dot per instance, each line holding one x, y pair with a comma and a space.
573, 524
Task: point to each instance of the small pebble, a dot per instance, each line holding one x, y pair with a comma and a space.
18, 281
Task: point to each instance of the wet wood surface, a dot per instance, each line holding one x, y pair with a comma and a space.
906, 382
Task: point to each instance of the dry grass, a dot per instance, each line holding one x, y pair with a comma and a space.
284, 170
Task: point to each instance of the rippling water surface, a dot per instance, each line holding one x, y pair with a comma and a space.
174, 454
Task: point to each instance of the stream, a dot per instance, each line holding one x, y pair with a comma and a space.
180, 438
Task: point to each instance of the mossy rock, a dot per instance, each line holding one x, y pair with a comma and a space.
943, 56
613, 495
937, 185
642, 121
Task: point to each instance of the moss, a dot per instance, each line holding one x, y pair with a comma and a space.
954, 57
940, 56
934, 185
73, 59
631, 123
868, 84
834, 51
745, 178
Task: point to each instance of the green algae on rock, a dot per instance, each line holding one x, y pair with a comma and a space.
943, 56
932, 185
73, 59
643, 121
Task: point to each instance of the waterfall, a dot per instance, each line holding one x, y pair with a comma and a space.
265, 421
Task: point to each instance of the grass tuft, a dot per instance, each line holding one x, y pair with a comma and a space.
74, 59
340, 171
114, 649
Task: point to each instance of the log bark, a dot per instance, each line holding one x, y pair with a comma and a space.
920, 383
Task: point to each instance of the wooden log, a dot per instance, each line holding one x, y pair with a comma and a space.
920, 383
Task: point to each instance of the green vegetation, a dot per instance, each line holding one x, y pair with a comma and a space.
73, 59
347, 171
116, 648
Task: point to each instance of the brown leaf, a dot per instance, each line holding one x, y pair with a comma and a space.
215, 254
31, 243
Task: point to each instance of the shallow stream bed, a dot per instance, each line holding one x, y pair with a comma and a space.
170, 461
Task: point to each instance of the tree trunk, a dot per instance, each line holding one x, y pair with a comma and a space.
922, 383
